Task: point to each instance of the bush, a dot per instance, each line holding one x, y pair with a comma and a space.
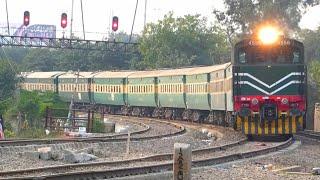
98, 126
9, 134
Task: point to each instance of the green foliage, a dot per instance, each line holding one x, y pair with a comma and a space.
36, 133
314, 70
98, 126
242, 17
311, 43
9, 134
32, 105
183, 41
8, 80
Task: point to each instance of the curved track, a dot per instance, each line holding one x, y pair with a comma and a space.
109, 138
309, 134
152, 158
150, 164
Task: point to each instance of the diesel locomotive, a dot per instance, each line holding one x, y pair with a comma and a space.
261, 92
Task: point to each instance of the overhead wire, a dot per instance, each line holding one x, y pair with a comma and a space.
84, 33
134, 18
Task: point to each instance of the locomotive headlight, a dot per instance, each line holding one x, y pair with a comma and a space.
284, 101
254, 101
268, 35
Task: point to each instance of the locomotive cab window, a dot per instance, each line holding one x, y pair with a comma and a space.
277, 54
242, 57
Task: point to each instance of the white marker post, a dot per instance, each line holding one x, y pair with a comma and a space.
128, 144
182, 161
316, 118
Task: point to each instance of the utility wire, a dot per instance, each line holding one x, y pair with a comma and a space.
134, 18
84, 34
7, 18
71, 19
145, 14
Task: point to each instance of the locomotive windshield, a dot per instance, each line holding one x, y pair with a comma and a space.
284, 52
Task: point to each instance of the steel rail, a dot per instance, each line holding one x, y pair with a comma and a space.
121, 172
110, 138
309, 134
157, 157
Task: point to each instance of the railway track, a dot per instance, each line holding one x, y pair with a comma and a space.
144, 165
152, 158
309, 134
108, 138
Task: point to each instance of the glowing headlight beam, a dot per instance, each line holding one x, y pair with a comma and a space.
268, 35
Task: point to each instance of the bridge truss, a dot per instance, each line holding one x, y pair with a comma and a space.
111, 47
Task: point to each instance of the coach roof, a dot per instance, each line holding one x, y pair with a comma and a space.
44, 74
74, 74
112, 74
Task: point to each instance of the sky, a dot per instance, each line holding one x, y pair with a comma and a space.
98, 14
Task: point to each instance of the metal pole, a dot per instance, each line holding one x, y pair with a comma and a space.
145, 13
71, 19
7, 18
84, 34
134, 18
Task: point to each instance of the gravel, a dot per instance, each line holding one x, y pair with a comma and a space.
117, 150
307, 155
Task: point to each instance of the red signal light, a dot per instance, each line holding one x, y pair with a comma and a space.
115, 21
64, 20
26, 18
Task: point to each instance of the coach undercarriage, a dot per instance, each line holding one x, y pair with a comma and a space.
201, 116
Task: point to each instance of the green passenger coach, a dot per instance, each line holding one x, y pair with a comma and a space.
77, 86
142, 90
110, 88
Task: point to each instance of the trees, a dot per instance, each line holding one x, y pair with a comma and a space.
8, 82
182, 41
241, 17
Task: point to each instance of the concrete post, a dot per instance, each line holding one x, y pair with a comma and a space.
182, 162
128, 144
316, 119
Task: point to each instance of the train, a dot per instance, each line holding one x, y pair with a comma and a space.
262, 91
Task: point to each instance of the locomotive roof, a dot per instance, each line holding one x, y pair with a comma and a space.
43, 74
113, 74
74, 75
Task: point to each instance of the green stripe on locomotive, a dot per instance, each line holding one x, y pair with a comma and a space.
273, 80
194, 99
146, 99
115, 98
174, 100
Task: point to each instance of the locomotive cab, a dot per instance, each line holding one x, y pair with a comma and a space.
269, 86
